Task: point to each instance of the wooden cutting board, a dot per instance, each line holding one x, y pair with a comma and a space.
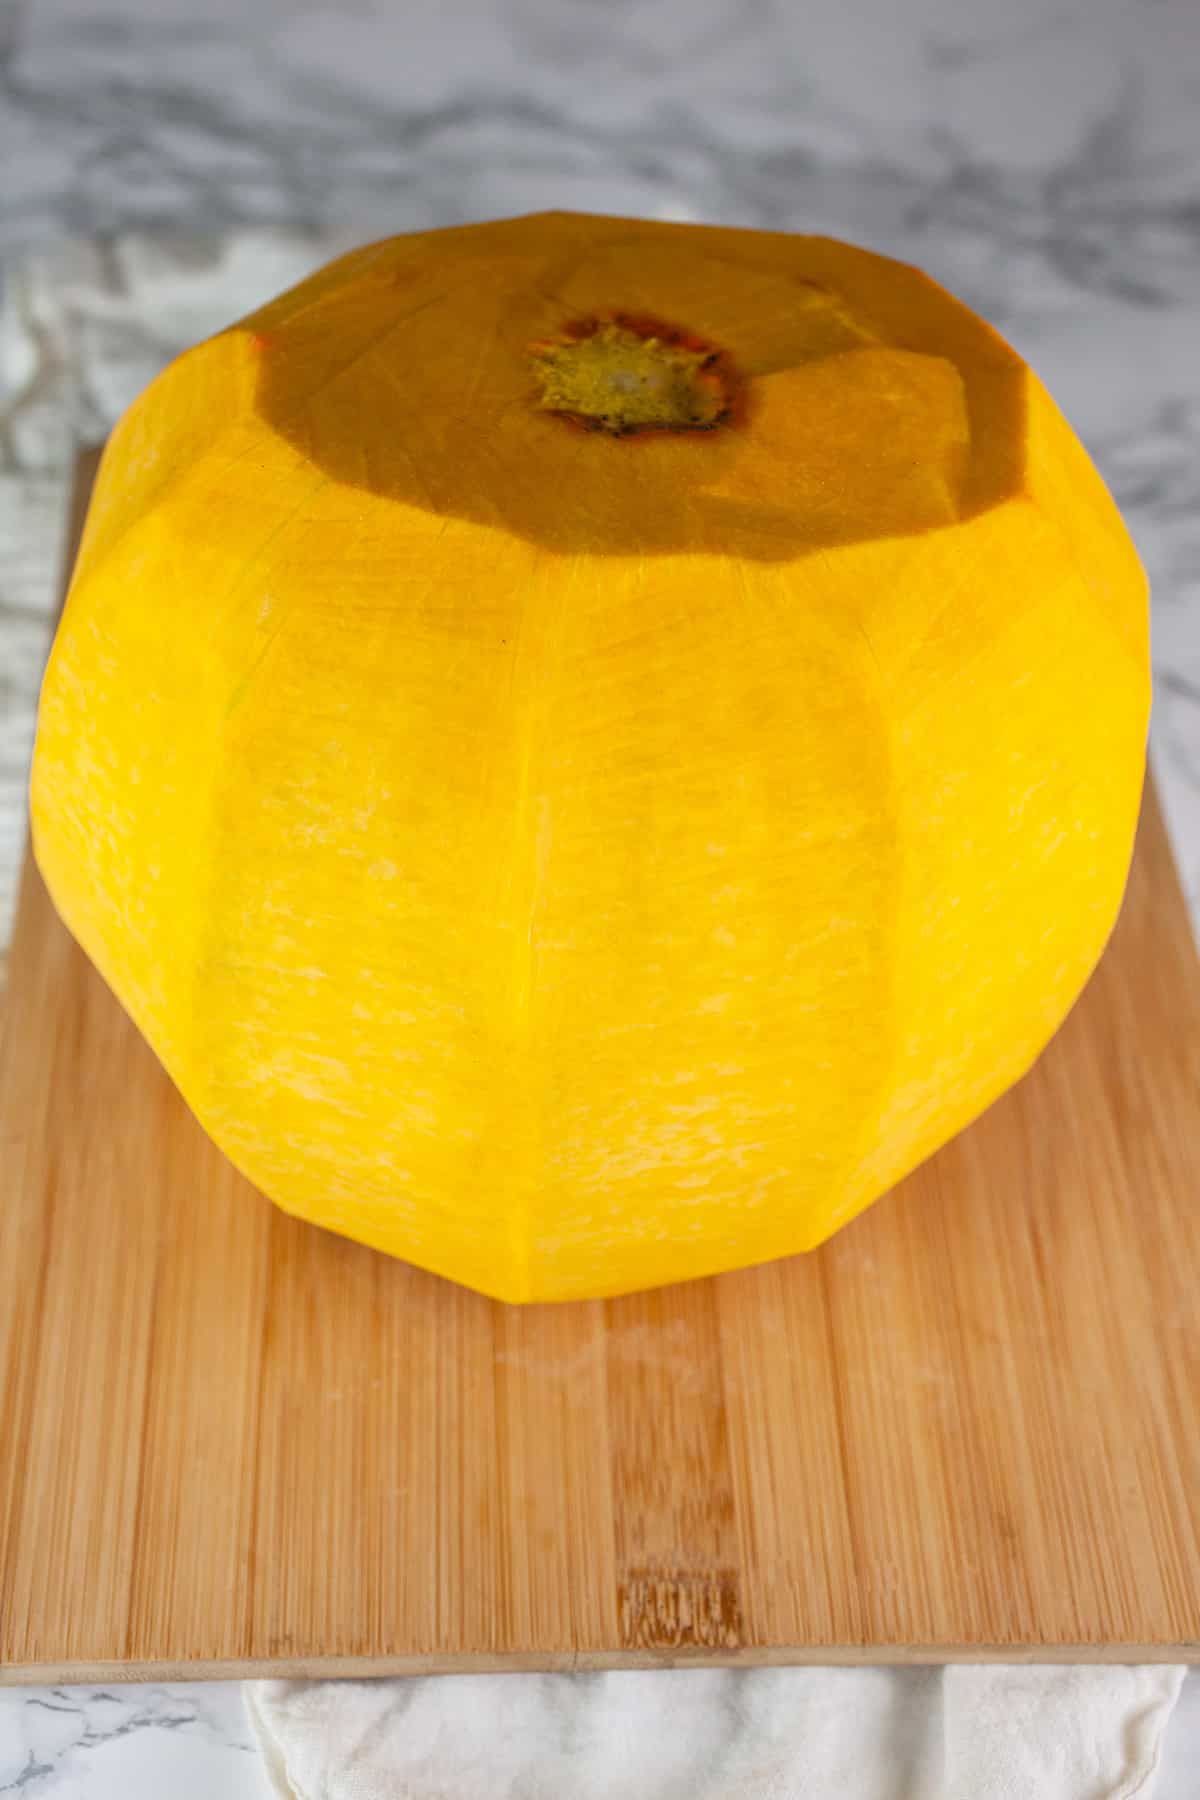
231, 1443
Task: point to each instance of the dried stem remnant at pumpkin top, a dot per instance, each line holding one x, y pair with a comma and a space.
622, 375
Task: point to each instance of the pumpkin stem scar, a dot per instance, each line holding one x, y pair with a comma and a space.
620, 374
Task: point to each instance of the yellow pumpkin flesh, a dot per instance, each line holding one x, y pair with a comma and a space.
590, 747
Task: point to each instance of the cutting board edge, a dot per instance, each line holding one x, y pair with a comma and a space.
365, 1668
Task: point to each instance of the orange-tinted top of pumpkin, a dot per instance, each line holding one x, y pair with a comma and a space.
835, 396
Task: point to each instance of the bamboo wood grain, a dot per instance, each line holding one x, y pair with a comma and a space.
968, 1428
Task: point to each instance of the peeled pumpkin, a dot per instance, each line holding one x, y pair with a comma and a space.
590, 747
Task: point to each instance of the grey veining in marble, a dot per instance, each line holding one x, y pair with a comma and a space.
184, 1741
164, 166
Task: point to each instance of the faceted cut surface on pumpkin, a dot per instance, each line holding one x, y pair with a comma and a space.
579, 832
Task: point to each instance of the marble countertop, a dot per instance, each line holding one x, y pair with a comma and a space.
167, 166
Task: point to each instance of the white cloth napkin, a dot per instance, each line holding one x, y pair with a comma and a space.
957, 1733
